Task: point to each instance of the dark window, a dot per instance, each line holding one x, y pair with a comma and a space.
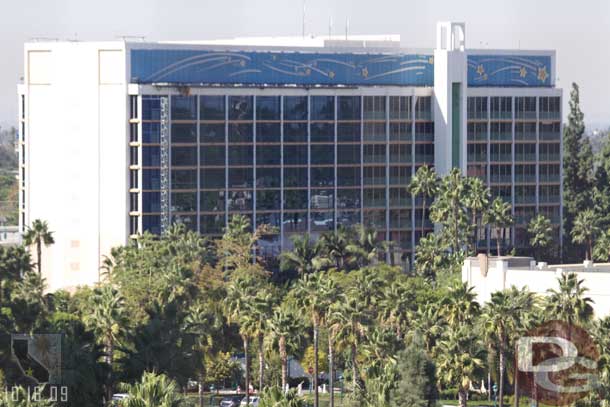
295, 154
348, 108
150, 179
374, 153
151, 224
348, 199
212, 155
240, 177
184, 108
267, 108
184, 179
423, 108
184, 133
212, 133
322, 108
133, 182
322, 177
184, 156
240, 155
133, 132
268, 177
212, 178
268, 155
322, 199
212, 108
295, 107
212, 201
268, 132
295, 177
348, 176
240, 133
240, 108
322, 132
400, 107
295, 199
400, 153
133, 155
322, 154
151, 132
184, 201
348, 132
348, 154
400, 132
133, 202
268, 200
151, 202
151, 107
374, 108
240, 200
151, 156
295, 132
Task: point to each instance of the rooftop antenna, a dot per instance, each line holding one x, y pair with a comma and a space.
303, 18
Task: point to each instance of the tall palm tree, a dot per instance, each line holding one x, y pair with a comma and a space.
153, 390
585, 230
425, 184
107, 318
540, 231
285, 328
314, 293
459, 360
460, 305
569, 303
428, 324
335, 246
304, 257
477, 199
601, 251
365, 247
394, 307
499, 216
500, 322
38, 234
262, 305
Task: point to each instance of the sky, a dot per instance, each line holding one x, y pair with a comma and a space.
578, 30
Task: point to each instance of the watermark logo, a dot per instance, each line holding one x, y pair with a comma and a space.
557, 363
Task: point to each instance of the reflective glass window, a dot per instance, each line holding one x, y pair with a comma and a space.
374, 132
184, 179
267, 108
184, 201
295, 107
295, 154
151, 156
400, 107
151, 179
375, 219
212, 108
240, 177
348, 108
322, 221
322, 177
240, 133
295, 199
268, 200
240, 108
151, 132
295, 177
268, 133
212, 178
240, 155
348, 176
184, 108
348, 198
184, 156
322, 199
374, 107
151, 107
212, 224
322, 108
400, 132
212, 155
295, 132
374, 197
322, 154
152, 224
348, 154
347, 132
212, 133
322, 132
184, 133
213, 201
268, 155
240, 200
295, 222
268, 177
151, 202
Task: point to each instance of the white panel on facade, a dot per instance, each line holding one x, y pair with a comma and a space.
39, 67
112, 67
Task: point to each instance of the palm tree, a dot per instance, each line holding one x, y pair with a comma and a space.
108, 320
459, 360
601, 251
425, 184
304, 257
365, 247
349, 320
428, 324
429, 256
394, 307
314, 293
460, 306
500, 321
540, 231
585, 230
499, 216
335, 246
38, 234
276, 397
450, 211
569, 303
477, 199
284, 328
153, 390
262, 305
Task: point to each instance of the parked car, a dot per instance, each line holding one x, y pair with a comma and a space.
117, 398
253, 401
231, 401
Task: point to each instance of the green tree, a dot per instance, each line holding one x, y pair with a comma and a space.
15, 262
285, 329
335, 246
459, 306
365, 246
499, 216
477, 200
541, 233
585, 230
459, 359
276, 397
430, 256
262, 305
601, 251
569, 303
425, 184
304, 257
108, 320
416, 382
38, 234
153, 390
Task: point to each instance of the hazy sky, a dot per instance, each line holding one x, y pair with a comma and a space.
578, 30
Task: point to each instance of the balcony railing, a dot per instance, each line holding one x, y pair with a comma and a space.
549, 116
424, 137
549, 157
374, 180
477, 158
477, 136
500, 179
500, 157
503, 136
549, 178
527, 115
550, 199
550, 135
525, 136
477, 115
424, 158
502, 115
525, 157
525, 178
525, 199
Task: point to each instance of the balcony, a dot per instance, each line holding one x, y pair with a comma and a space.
477, 115
525, 199
503, 136
549, 199
374, 180
477, 158
500, 179
419, 115
501, 158
550, 157
477, 136
525, 136
550, 135
424, 137
424, 158
527, 157
525, 178
503, 115
549, 116
525, 115
549, 178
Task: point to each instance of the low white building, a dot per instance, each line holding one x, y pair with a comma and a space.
491, 274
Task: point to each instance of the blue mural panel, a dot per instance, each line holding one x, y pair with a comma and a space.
509, 70
280, 68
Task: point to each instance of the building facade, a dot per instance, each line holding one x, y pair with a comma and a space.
126, 137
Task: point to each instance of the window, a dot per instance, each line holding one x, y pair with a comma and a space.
500, 152
184, 133
295, 107
151, 179
240, 200
133, 180
501, 131
240, 108
348, 108
348, 132
212, 108
133, 132
374, 108
400, 108
525, 107
322, 177
549, 108
184, 108
268, 200
268, 155
374, 153
400, 153
477, 131
212, 133
295, 154
268, 177
151, 156
133, 155
424, 131
212, 178
501, 107
525, 173
268, 132
240, 155
295, 132
374, 176
240, 177
240, 133
212, 155
477, 152
348, 176
152, 224
295, 199
348, 199
374, 132
322, 108
550, 131
184, 156
400, 175
184, 202
423, 108
295, 177
267, 108
348, 154
184, 179
477, 108
400, 132
133, 202
212, 224
151, 202
151, 107
322, 132
500, 174
525, 131
322, 154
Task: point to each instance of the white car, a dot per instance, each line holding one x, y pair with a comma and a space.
253, 401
